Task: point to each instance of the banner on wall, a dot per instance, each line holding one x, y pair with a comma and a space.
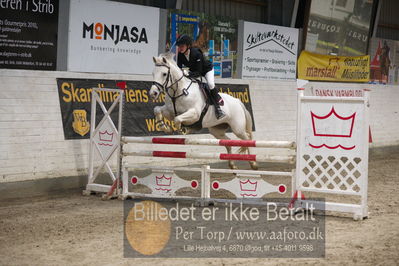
269, 52
215, 36
113, 37
75, 102
384, 66
28, 34
333, 68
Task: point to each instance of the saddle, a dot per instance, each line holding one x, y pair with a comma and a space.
204, 88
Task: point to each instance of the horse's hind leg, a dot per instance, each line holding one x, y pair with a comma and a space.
244, 135
220, 133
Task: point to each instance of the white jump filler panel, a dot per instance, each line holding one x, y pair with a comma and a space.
332, 156
249, 186
104, 140
164, 183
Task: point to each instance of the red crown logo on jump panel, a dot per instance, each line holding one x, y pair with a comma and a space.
163, 181
328, 125
106, 136
248, 185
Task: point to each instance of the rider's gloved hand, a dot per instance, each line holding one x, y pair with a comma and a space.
194, 74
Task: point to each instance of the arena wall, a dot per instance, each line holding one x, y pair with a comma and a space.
32, 144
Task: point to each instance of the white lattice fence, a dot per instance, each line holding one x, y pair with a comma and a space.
332, 152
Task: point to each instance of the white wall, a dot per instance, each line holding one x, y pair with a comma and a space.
32, 144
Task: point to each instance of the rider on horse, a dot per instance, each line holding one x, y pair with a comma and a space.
194, 59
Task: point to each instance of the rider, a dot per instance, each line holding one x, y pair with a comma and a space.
193, 58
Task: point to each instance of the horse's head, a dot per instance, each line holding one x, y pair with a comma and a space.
162, 74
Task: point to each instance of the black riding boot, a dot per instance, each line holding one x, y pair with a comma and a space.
217, 101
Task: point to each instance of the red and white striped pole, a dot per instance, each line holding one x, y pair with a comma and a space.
211, 142
217, 156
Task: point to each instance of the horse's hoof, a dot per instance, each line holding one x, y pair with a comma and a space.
254, 166
165, 129
233, 166
177, 124
183, 131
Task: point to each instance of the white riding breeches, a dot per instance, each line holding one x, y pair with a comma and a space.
210, 79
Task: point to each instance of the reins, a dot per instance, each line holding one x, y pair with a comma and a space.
164, 88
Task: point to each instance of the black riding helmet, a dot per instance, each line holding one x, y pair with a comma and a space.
184, 39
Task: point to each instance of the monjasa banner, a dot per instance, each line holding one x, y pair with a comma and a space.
113, 38
75, 101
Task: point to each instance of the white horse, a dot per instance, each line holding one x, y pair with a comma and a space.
184, 104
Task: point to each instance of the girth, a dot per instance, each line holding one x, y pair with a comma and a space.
198, 124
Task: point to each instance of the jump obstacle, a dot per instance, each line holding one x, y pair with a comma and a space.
331, 157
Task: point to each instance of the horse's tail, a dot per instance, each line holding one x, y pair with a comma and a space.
248, 126
248, 121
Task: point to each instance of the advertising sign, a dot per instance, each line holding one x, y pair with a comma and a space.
28, 34
333, 68
269, 52
384, 65
139, 119
113, 37
227, 68
215, 36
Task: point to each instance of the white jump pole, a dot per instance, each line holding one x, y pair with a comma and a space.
216, 156
211, 142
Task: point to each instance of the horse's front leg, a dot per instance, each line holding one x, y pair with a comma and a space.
189, 117
161, 112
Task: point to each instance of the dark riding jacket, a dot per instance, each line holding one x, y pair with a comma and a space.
197, 63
